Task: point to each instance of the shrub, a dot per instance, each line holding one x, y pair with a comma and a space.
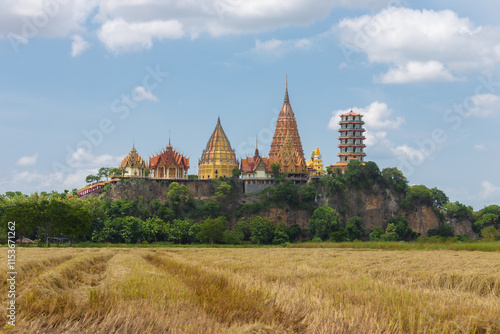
376, 233
280, 236
324, 221
490, 233
262, 230
339, 236
354, 228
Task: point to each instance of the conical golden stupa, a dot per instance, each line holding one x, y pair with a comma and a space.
133, 164
286, 148
218, 158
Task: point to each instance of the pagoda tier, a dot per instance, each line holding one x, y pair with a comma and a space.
218, 158
351, 139
169, 164
286, 148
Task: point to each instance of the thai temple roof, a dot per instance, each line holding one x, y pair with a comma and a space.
351, 113
167, 157
218, 147
250, 164
133, 160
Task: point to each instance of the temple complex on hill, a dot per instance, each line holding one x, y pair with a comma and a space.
315, 165
351, 139
133, 165
286, 148
169, 164
218, 158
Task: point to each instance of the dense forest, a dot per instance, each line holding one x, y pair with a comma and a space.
182, 218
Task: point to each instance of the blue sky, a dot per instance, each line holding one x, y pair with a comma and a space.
83, 80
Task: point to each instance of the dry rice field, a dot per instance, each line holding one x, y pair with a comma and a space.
257, 290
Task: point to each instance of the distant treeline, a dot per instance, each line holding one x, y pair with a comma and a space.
181, 218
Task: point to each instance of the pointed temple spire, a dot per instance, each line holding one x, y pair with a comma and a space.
256, 147
286, 100
286, 128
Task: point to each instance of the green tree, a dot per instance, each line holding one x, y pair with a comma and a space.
394, 177
92, 178
293, 232
179, 196
183, 231
236, 172
376, 233
154, 229
445, 230
223, 191
354, 228
419, 194
439, 198
280, 236
244, 227
104, 173
27, 216
212, 230
490, 233
262, 230
324, 221
458, 210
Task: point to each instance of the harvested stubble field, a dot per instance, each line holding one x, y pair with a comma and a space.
268, 290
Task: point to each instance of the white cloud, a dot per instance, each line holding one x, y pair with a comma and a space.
28, 160
421, 45
78, 46
485, 105
82, 159
480, 147
417, 72
488, 190
408, 153
120, 36
277, 48
378, 119
145, 20
141, 94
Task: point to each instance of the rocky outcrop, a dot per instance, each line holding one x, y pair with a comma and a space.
463, 226
374, 205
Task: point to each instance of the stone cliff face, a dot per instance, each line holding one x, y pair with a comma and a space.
374, 206
463, 226
132, 189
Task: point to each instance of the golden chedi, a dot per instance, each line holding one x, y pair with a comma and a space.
218, 158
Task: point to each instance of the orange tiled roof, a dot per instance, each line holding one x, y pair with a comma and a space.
167, 157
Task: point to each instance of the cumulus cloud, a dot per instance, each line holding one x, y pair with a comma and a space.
277, 48
417, 72
83, 159
421, 45
28, 160
78, 46
130, 25
489, 190
120, 36
485, 105
408, 153
379, 119
142, 94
